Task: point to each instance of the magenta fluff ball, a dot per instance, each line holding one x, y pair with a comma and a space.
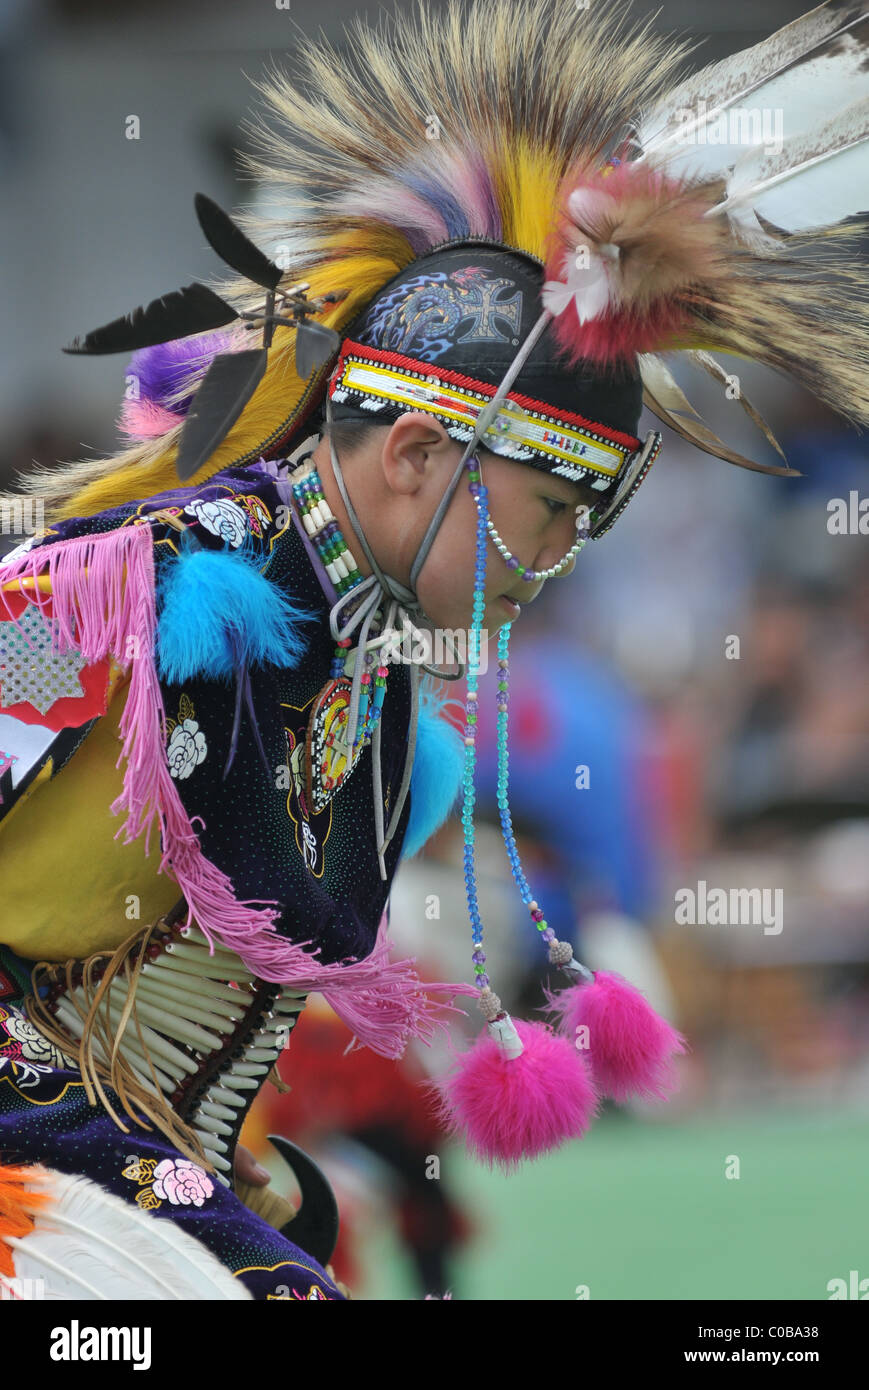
508, 1110
630, 1047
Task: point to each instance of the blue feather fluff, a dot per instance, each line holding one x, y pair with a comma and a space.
206, 596
436, 779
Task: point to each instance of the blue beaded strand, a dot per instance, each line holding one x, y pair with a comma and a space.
480, 494
503, 777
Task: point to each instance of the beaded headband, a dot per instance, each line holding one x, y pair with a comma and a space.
560, 442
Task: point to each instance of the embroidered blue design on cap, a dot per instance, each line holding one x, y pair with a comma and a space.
424, 313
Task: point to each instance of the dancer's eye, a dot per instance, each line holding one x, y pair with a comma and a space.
555, 505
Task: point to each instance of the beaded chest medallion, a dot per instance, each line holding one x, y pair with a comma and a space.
328, 758
327, 764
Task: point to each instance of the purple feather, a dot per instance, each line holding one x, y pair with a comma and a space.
165, 368
159, 371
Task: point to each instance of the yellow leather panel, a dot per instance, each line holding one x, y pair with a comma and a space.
70, 888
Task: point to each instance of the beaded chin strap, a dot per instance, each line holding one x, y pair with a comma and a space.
582, 530
500, 1024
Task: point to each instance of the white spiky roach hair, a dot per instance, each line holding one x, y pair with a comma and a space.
528, 101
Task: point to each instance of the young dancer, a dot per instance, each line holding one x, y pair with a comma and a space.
412, 405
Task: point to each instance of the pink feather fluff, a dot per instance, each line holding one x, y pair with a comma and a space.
147, 420
165, 375
630, 1046
508, 1110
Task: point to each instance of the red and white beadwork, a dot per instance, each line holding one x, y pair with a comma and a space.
523, 428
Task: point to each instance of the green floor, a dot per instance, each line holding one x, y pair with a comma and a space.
644, 1211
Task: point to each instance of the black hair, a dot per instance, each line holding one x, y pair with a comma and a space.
351, 435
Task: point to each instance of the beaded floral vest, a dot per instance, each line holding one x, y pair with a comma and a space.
211, 1030
319, 861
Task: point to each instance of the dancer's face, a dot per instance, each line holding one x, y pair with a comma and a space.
396, 480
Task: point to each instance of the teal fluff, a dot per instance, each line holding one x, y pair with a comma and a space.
207, 595
437, 773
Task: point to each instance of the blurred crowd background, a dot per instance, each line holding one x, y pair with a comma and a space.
707, 664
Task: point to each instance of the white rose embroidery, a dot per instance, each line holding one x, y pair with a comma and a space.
223, 518
187, 748
34, 1047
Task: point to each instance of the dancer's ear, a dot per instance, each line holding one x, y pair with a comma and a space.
416, 452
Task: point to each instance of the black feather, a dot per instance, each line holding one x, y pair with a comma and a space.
193, 309
315, 344
232, 246
226, 389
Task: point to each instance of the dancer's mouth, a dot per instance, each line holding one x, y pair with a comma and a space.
510, 605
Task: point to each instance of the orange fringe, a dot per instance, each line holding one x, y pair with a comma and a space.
17, 1202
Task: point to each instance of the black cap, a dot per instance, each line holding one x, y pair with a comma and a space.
469, 307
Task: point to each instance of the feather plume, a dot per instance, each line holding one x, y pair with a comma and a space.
17, 1208
315, 344
815, 179
89, 1244
669, 287
804, 71
437, 772
205, 596
465, 121
715, 369
233, 246
165, 375
666, 399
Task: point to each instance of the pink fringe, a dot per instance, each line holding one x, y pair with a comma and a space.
103, 603
102, 598
627, 327
384, 1002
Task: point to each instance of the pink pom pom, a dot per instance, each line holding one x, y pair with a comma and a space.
509, 1109
630, 1046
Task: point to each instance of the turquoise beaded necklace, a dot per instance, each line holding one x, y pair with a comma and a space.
480, 493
